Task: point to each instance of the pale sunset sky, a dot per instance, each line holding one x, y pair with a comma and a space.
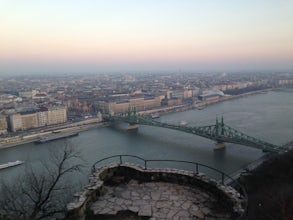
64, 36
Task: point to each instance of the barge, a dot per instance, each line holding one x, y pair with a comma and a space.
46, 139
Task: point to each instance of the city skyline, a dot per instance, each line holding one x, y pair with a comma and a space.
104, 36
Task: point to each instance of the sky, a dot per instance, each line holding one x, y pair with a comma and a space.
64, 36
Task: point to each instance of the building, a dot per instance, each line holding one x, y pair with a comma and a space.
42, 118
28, 120
23, 121
8, 98
3, 124
140, 104
172, 101
211, 96
15, 122
57, 115
115, 107
187, 94
28, 94
178, 94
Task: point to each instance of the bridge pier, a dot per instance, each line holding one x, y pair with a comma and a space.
219, 146
132, 127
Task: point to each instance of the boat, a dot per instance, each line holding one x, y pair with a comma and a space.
11, 164
154, 116
55, 137
201, 107
183, 123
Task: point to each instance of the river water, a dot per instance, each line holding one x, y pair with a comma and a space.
266, 116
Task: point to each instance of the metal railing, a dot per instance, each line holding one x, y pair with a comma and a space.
121, 157
198, 166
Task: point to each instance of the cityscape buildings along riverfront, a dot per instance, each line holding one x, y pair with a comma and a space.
138, 110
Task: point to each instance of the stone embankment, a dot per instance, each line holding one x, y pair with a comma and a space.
128, 191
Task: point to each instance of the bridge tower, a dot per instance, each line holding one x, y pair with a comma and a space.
219, 131
132, 113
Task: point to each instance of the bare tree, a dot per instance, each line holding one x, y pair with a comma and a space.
40, 195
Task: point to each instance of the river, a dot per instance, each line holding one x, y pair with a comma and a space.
265, 116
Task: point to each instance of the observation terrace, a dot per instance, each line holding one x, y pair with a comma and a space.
122, 189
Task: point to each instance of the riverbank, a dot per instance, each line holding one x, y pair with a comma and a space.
203, 104
20, 140
95, 123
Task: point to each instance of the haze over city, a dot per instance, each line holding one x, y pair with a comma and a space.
146, 109
126, 35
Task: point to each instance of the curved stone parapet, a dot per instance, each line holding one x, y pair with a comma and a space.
120, 191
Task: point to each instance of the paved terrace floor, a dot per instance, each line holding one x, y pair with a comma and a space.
158, 200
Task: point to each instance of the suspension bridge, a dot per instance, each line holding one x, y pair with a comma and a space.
219, 132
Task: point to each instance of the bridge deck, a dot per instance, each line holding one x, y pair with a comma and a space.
218, 132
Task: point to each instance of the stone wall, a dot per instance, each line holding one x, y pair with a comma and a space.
119, 173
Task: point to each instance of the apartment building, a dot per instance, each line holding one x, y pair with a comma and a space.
29, 121
3, 124
42, 118
57, 115
24, 121
15, 122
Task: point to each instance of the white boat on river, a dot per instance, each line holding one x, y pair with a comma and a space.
10, 164
183, 123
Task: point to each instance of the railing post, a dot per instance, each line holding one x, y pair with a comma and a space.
223, 177
196, 168
120, 156
145, 164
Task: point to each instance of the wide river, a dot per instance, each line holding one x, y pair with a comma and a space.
266, 116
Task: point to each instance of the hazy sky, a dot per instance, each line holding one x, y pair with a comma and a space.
145, 35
